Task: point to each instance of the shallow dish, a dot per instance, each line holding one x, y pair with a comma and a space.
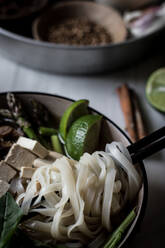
110, 131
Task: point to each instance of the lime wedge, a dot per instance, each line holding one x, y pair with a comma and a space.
83, 136
155, 89
72, 113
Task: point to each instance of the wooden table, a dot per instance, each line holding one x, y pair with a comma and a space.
101, 91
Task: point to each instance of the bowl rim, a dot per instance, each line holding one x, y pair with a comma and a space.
145, 180
49, 45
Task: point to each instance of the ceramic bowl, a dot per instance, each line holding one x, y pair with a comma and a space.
110, 132
109, 18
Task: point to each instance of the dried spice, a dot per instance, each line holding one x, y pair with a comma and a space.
132, 113
79, 31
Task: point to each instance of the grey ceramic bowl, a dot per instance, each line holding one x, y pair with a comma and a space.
109, 18
65, 59
110, 132
83, 60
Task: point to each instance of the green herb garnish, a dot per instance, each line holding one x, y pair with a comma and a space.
10, 216
116, 237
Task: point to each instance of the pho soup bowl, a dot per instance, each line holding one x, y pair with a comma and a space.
109, 132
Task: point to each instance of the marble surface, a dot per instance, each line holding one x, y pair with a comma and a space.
101, 91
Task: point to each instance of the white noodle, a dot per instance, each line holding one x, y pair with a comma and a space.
78, 198
120, 153
107, 198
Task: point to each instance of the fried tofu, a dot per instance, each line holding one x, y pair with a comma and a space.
27, 172
4, 187
33, 146
55, 155
18, 157
6, 172
41, 162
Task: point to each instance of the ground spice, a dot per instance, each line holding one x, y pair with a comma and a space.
78, 31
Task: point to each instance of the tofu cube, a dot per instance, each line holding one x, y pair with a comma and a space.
27, 172
6, 172
33, 146
41, 162
55, 155
18, 157
4, 187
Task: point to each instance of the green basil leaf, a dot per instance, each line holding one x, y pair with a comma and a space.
10, 216
2, 211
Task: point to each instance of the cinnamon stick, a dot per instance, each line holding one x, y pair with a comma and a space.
126, 105
141, 132
132, 114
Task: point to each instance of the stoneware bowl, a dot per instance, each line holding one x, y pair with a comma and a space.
109, 18
110, 131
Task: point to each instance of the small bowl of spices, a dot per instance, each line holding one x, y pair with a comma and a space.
80, 23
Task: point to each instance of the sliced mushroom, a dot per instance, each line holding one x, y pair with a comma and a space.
5, 130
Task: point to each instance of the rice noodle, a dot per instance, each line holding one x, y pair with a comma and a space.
107, 198
78, 199
121, 154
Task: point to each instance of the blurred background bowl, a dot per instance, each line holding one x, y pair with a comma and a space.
109, 18
16, 44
